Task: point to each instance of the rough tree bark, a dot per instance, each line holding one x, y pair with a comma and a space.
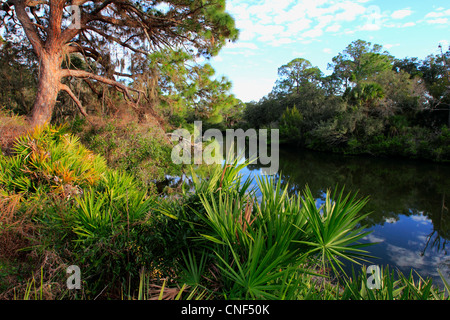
50, 57
49, 86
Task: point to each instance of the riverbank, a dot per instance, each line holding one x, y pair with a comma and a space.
73, 209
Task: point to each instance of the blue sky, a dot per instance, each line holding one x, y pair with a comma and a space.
273, 32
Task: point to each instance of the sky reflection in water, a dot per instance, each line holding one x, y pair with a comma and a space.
408, 201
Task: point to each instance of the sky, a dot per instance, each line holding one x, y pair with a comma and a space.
273, 32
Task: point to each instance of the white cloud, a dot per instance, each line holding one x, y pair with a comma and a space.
370, 27
269, 33
313, 33
280, 41
334, 28
390, 220
408, 24
241, 45
274, 21
249, 89
401, 14
390, 46
299, 25
248, 29
350, 12
293, 14
420, 219
327, 50
439, 21
278, 22
434, 15
438, 14
238, 10
405, 258
438, 17
373, 238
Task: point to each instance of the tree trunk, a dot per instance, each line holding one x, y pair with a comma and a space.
48, 88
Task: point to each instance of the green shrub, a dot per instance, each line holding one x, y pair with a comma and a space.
86, 213
290, 126
223, 234
48, 160
261, 240
143, 151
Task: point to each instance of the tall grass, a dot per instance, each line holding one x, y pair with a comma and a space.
393, 286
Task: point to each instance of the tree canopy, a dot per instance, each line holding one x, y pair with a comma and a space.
359, 61
371, 102
297, 73
104, 33
185, 89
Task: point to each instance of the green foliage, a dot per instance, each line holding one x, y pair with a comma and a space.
186, 90
297, 73
333, 228
224, 237
108, 227
247, 261
143, 151
264, 249
365, 93
192, 271
393, 287
94, 216
360, 61
412, 142
290, 125
17, 79
262, 246
47, 160
371, 103
116, 204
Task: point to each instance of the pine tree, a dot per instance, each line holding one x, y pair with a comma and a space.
97, 29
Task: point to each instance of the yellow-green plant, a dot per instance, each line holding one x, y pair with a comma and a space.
48, 160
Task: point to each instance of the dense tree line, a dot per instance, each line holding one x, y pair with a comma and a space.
370, 103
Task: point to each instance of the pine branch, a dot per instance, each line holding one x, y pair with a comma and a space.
88, 75
77, 101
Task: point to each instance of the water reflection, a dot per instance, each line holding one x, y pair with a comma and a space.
408, 203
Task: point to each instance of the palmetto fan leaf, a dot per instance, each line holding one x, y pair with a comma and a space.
46, 160
333, 230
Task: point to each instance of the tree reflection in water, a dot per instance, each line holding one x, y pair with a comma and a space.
400, 190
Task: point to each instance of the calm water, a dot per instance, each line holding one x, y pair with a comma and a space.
409, 201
